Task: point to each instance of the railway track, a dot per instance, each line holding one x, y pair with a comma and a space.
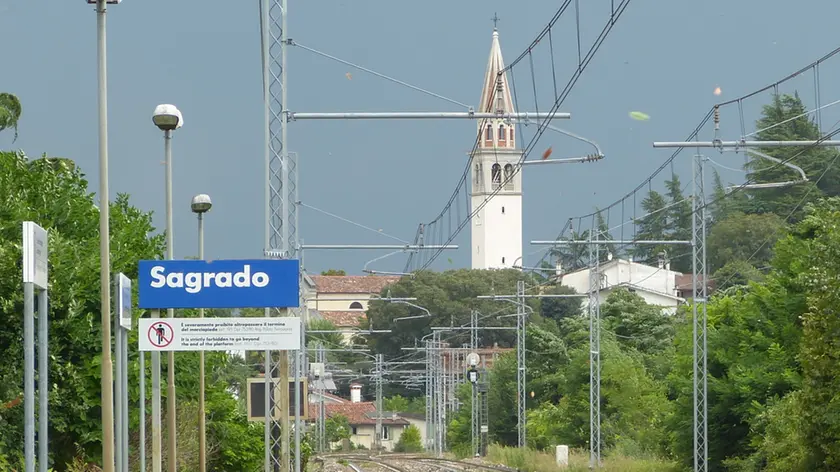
410, 463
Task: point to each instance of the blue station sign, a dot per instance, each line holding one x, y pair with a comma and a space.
253, 283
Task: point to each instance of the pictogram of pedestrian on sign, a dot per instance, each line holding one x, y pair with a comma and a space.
160, 334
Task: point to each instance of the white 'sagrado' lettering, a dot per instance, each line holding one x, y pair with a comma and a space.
193, 282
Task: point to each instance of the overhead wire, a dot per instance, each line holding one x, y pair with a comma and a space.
616, 12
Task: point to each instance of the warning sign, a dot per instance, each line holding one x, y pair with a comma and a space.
220, 334
160, 334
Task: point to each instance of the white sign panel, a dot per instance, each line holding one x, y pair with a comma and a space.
219, 334
35, 255
124, 300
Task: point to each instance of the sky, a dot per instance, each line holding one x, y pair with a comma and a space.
661, 58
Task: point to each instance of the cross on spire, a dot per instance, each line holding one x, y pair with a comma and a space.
495, 21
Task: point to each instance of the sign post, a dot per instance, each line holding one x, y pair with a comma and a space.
35, 278
251, 283
122, 321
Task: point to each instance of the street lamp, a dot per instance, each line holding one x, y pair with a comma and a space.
168, 118
200, 205
104, 250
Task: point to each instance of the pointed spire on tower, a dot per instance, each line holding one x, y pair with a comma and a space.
495, 95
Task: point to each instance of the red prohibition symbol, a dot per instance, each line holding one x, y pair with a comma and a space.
160, 334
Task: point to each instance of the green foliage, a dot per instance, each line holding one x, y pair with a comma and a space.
337, 428
53, 193
409, 440
401, 404
558, 309
449, 296
742, 237
339, 272
10, 111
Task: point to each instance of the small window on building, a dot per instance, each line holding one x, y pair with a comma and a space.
508, 177
496, 175
488, 135
503, 210
356, 306
502, 133
503, 260
386, 433
354, 431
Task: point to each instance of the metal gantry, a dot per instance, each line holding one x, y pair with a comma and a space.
699, 294
594, 351
378, 372
521, 315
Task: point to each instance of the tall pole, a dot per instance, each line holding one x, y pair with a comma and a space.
104, 247
171, 423
202, 417
594, 351
698, 304
379, 366
43, 380
157, 440
118, 387
29, 375
429, 412
520, 362
142, 408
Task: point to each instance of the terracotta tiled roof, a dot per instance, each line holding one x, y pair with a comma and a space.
362, 413
344, 319
314, 398
684, 282
353, 283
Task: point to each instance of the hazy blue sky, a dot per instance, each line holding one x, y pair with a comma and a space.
664, 58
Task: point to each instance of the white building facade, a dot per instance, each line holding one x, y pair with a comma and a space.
656, 285
497, 226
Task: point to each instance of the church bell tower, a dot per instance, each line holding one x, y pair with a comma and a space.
497, 226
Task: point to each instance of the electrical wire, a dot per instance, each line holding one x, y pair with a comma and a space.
616, 12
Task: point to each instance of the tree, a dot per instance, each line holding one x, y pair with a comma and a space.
559, 308
744, 238
820, 355
652, 226
53, 193
339, 272
786, 118
449, 297
337, 428
10, 111
409, 441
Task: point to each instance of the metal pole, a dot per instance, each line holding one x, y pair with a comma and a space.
43, 380
124, 400
741, 144
265, 44
107, 400
377, 246
171, 421
699, 294
561, 242
520, 363
142, 407
202, 417
118, 391
378, 436
594, 353
29, 375
157, 440
422, 115
429, 415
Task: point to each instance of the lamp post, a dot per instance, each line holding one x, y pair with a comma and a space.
200, 205
168, 118
104, 241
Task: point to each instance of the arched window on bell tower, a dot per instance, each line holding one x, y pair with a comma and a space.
488, 135
509, 177
496, 175
502, 135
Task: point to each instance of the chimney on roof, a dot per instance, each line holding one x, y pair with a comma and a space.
355, 393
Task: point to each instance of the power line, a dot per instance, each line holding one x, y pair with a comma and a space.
435, 228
